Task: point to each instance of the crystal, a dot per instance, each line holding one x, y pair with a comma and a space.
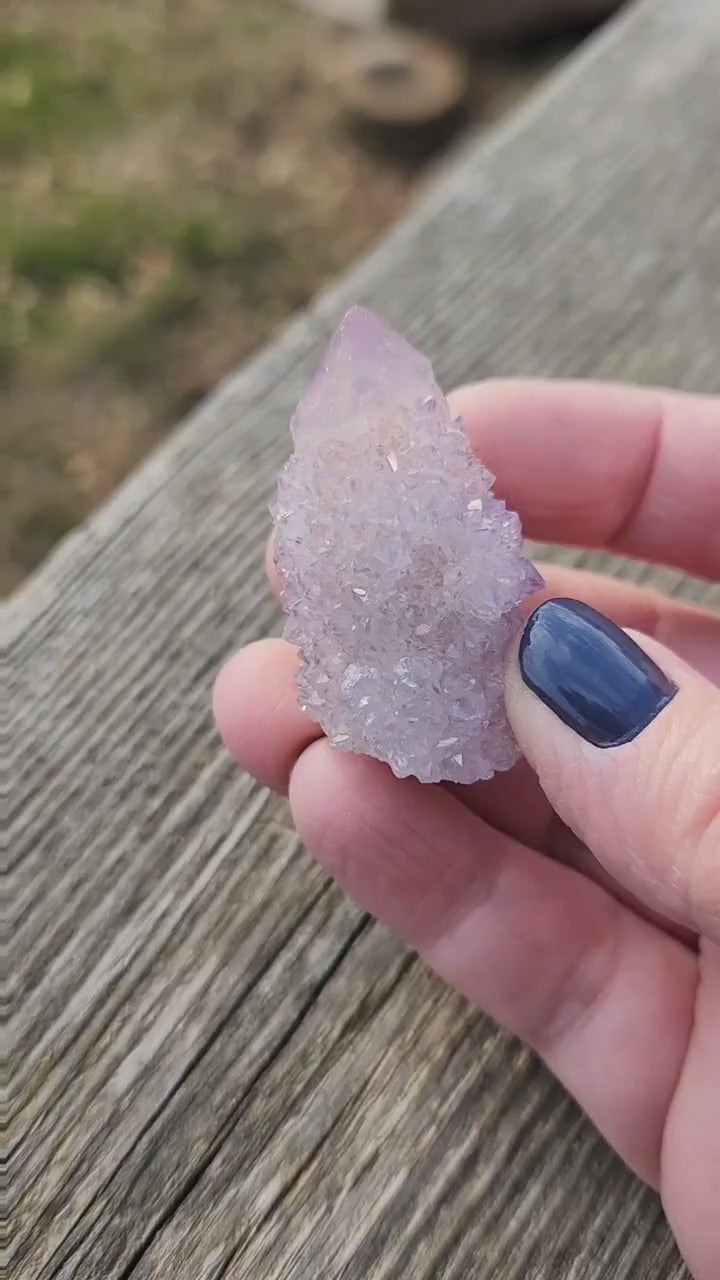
402, 574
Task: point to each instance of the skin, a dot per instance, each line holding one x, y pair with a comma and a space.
577, 898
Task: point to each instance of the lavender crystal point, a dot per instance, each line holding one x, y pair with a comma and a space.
402, 573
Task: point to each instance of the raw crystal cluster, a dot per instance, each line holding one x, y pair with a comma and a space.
401, 572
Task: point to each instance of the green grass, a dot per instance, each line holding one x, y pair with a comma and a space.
100, 238
176, 184
103, 238
12, 337
205, 244
136, 345
98, 242
47, 96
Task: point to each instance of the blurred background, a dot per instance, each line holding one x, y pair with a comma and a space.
178, 176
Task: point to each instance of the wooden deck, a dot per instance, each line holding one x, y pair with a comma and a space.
218, 1067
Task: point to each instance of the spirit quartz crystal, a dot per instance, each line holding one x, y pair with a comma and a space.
402, 574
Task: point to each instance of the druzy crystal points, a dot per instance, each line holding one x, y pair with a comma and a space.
401, 572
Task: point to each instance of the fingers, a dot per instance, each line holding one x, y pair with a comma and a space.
692, 1132
691, 632
256, 711
625, 741
607, 466
605, 997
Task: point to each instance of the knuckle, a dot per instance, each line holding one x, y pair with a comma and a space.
575, 999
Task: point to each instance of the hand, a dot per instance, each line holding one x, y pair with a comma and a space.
607, 962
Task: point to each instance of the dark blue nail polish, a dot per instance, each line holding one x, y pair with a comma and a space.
590, 673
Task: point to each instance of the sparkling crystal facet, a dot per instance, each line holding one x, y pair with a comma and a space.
402, 573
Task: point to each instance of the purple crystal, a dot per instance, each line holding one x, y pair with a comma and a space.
402, 573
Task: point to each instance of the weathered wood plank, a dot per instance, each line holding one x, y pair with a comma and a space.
218, 1066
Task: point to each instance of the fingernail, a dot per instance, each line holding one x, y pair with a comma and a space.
590, 673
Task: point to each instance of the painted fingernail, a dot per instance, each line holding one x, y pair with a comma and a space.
590, 673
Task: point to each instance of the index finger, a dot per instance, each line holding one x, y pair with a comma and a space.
602, 465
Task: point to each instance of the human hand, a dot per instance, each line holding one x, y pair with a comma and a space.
607, 962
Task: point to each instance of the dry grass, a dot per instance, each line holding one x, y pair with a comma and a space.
179, 180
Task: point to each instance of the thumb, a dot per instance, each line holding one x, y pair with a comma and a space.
625, 740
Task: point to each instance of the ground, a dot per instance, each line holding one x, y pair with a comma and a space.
179, 180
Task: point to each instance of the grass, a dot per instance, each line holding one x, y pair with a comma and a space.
50, 93
98, 242
175, 189
156, 268
134, 349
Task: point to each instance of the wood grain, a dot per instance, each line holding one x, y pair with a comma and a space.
218, 1067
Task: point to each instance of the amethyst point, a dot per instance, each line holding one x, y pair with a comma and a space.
402, 573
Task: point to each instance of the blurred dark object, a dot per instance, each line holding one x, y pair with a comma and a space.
404, 91
499, 20
496, 21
